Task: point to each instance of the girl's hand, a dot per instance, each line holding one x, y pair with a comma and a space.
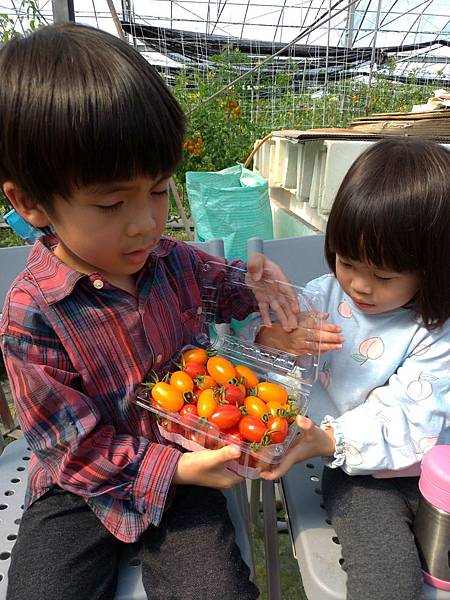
272, 291
305, 338
208, 468
310, 443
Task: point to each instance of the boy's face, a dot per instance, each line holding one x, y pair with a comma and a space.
111, 228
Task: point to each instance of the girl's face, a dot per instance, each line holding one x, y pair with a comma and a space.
111, 228
374, 290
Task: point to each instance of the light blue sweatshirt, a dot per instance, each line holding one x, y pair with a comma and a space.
387, 392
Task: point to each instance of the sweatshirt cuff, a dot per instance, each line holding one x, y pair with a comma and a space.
338, 458
154, 480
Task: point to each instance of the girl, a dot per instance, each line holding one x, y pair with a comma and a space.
384, 399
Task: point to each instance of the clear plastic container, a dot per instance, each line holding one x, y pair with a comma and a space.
295, 373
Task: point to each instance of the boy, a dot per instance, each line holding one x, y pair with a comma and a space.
89, 138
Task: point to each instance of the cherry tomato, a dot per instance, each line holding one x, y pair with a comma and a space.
271, 391
195, 395
255, 407
278, 428
220, 369
248, 377
242, 387
194, 369
274, 407
167, 397
225, 416
198, 355
232, 394
233, 435
189, 409
252, 429
207, 403
204, 382
212, 437
169, 425
181, 381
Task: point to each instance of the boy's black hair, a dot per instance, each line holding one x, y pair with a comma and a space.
79, 106
393, 210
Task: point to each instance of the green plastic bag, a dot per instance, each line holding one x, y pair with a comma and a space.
232, 204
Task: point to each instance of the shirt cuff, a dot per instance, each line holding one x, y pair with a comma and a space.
339, 456
154, 480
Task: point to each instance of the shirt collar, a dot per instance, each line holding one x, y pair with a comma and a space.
56, 280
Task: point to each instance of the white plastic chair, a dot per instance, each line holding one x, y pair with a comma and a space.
314, 541
13, 474
302, 259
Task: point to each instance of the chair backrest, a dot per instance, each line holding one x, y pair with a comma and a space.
13, 259
301, 258
12, 262
214, 247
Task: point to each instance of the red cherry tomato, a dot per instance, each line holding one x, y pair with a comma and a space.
233, 435
189, 409
198, 355
181, 381
194, 369
169, 425
252, 429
220, 369
278, 428
232, 394
225, 416
167, 397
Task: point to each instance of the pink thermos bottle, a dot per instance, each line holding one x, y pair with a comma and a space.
432, 522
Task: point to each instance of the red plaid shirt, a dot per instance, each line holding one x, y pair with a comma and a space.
76, 348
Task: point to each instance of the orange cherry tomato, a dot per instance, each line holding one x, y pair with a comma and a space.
181, 381
207, 403
220, 369
205, 382
274, 406
271, 391
249, 378
255, 407
167, 397
198, 355
278, 428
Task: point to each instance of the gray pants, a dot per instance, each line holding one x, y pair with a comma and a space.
373, 520
63, 552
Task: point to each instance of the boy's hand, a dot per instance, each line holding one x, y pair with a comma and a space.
310, 443
271, 289
208, 468
307, 337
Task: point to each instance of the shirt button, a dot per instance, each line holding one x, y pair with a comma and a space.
98, 284
199, 310
159, 358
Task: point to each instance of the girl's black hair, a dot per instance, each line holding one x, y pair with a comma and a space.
393, 210
79, 106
